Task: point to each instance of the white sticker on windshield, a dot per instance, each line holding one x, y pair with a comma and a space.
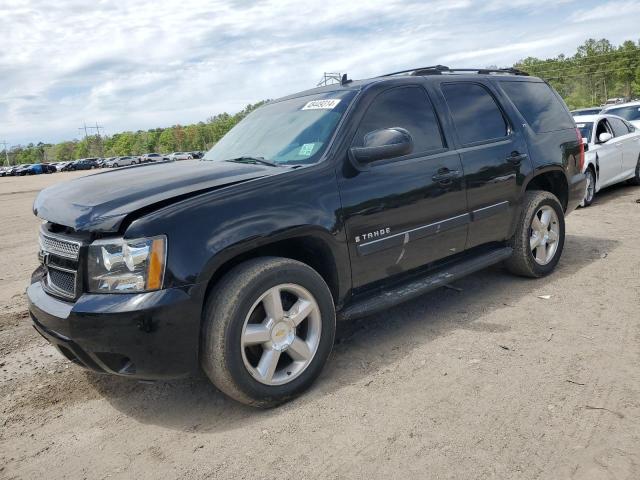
327, 104
306, 150
580, 125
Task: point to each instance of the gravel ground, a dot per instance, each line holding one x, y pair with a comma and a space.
507, 378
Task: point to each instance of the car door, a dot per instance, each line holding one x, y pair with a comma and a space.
628, 143
608, 155
493, 154
403, 212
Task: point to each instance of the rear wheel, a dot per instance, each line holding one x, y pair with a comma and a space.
539, 238
269, 329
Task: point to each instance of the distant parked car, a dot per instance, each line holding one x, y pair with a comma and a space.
81, 164
180, 156
153, 157
197, 154
613, 152
121, 162
4, 170
586, 111
48, 168
630, 111
13, 170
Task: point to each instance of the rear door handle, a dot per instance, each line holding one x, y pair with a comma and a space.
517, 158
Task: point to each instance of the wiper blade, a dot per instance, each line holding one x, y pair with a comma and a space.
247, 159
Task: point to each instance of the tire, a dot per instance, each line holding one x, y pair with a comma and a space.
236, 368
541, 260
115, 165
636, 180
590, 192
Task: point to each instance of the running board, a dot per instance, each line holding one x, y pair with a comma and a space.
415, 287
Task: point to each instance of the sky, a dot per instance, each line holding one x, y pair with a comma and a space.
131, 65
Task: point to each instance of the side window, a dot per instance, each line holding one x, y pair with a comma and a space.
540, 106
405, 107
619, 128
603, 127
475, 113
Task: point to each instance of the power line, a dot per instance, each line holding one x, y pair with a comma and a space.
533, 70
578, 59
584, 74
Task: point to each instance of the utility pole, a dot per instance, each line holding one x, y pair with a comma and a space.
85, 130
6, 153
330, 78
86, 133
97, 129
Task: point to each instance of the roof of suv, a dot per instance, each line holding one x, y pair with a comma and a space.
437, 72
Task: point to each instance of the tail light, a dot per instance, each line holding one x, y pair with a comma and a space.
581, 146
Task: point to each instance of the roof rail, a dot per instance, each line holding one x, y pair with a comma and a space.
442, 69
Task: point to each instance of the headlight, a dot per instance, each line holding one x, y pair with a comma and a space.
118, 265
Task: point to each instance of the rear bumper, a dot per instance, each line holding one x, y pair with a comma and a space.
152, 335
577, 188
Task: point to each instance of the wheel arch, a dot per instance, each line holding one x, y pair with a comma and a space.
313, 248
553, 180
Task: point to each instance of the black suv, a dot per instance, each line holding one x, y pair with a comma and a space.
328, 204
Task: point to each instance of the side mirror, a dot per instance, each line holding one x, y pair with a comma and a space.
604, 137
383, 144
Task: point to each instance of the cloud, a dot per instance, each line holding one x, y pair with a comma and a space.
143, 64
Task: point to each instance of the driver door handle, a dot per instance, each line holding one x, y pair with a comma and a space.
517, 158
444, 176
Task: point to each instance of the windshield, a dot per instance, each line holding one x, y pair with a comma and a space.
628, 113
294, 131
585, 129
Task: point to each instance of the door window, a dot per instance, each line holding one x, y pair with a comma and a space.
539, 105
603, 127
475, 113
408, 108
619, 128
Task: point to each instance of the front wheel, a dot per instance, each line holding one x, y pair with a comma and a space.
539, 238
636, 179
269, 329
590, 190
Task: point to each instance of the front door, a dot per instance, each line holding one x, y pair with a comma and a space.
609, 154
403, 212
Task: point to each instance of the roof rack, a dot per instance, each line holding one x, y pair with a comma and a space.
442, 69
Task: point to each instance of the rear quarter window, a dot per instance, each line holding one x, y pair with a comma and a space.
539, 105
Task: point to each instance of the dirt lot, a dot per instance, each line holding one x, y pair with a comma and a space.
492, 381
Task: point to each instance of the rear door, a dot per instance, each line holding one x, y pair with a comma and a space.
403, 212
493, 153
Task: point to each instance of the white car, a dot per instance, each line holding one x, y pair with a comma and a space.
612, 152
121, 161
180, 156
630, 111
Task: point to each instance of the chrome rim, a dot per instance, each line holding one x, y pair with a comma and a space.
591, 187
545, 233
281, 334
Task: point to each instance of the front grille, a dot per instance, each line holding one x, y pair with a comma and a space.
61, 282
58, 246
60, 255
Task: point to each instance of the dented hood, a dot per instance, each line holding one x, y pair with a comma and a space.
100, 202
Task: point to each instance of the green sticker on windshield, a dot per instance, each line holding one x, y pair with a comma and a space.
306, 150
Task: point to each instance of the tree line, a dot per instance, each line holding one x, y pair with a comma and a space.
597, 71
